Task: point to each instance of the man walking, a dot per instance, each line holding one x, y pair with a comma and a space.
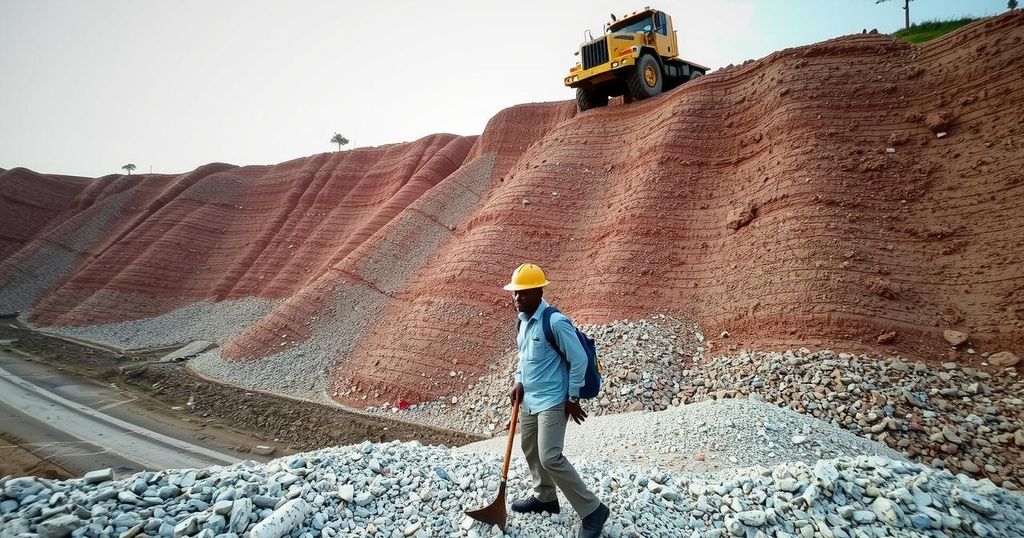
548, 390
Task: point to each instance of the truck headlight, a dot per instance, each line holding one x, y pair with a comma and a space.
615, 64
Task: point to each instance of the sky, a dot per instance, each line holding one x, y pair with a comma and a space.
88, 86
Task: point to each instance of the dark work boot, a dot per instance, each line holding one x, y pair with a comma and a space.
532, 505
593, 523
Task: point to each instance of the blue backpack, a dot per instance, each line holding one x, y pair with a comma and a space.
592, 377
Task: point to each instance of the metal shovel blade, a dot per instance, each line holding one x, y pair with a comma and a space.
494, 513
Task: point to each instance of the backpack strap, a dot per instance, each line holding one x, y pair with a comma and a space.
549, 334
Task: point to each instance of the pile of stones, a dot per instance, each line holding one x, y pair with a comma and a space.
960, 418
643, 361
964, 419
705, 437
406, 489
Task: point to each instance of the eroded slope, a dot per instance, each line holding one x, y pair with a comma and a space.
857, 193
807, 197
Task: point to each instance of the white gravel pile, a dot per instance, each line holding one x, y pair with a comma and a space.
205, 320
706, 436
302, 368
400, 490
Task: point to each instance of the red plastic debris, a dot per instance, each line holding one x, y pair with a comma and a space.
700, 457
403, 405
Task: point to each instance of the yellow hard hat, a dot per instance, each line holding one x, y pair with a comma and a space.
527, 276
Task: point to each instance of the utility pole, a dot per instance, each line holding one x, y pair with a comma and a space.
906, 12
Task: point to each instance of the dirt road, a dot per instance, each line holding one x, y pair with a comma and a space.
73, 423
165, 398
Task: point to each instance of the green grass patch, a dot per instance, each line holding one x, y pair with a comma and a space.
928, 30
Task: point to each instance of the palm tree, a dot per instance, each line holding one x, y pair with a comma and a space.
339, 140
129, 167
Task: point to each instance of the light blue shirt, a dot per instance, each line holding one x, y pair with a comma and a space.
546, 378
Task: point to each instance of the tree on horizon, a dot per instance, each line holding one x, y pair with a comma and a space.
129, 167
339, 140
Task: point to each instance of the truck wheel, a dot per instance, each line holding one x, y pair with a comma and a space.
587, 99
646, 80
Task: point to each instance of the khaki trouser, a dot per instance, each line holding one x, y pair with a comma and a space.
542, 436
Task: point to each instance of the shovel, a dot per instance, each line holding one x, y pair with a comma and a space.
494, 513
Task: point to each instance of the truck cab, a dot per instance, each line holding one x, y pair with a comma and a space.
637, 57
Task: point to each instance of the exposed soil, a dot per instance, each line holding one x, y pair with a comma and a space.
221, 231
764, 199
301, 424
860, 194
18, 461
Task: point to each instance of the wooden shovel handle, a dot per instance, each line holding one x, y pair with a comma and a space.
511, 439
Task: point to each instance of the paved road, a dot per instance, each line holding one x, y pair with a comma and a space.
70, 422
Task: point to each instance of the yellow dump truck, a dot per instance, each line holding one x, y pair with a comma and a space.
637, 57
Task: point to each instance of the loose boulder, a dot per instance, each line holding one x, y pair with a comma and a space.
1003, 359
955, 338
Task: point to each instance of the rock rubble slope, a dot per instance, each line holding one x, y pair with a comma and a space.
408, 489
859, 192
955, 416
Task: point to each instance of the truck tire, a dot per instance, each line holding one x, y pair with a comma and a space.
646, 80
589, 98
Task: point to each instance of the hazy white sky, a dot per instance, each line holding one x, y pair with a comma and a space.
88, 86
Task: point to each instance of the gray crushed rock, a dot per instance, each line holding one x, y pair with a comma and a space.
644, 362
205, 320
406, 489
707, 436
302, 368
956, 417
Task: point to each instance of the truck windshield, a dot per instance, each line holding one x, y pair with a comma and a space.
635, 26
